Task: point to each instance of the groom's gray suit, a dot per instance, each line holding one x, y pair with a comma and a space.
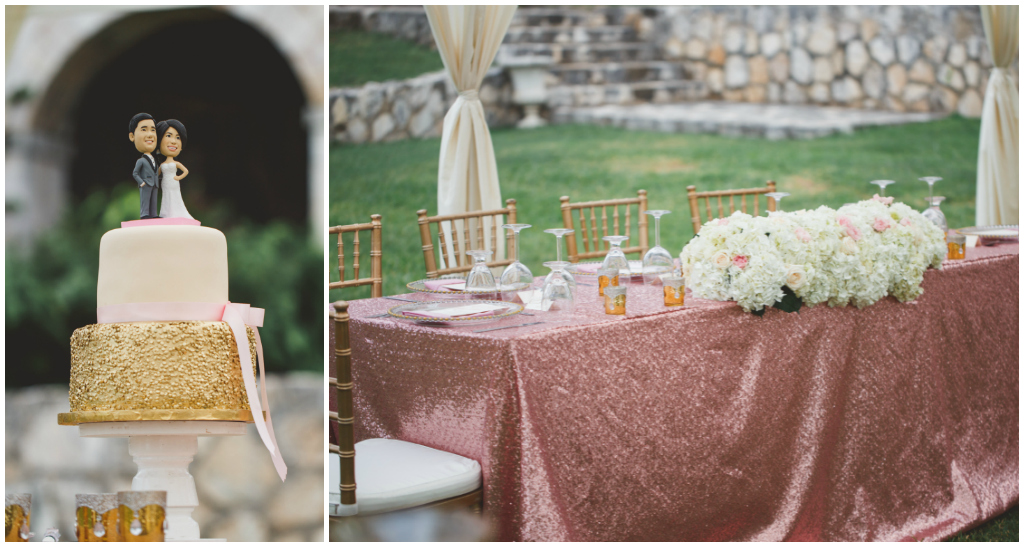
145, 175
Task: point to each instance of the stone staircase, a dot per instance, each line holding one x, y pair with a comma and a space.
597, 56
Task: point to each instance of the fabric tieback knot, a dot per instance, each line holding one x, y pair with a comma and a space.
470, 95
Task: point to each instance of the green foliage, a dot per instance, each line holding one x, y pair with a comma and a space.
50, 289
1005, 527
588, 163
357, 57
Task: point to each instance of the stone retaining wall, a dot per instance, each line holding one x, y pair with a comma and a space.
899, 58
400, 109
240, 496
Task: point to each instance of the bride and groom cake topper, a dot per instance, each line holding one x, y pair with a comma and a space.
165, 140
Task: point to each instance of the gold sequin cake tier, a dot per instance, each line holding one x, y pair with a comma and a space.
180, 370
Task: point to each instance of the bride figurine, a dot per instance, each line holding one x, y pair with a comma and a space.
171, 139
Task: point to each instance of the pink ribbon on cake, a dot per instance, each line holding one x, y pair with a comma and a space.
237, 316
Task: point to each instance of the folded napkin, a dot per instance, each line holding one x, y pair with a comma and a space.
445, 284
474, 310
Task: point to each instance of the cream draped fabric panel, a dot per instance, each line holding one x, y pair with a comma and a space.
998, 160
468, 38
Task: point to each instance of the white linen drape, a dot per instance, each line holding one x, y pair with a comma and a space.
998, 160
468, 38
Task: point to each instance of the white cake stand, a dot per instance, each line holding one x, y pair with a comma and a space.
163, 450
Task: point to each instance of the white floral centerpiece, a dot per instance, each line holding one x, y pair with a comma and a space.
858, 254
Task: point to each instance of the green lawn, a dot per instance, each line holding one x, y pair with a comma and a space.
1005, 527
358, 57
537, 166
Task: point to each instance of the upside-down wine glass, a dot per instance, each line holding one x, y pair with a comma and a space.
559, 232
516, 272
882, 184
931, 183
777, 196
657, 260
616, 258
559, 291
934, 214
480, 277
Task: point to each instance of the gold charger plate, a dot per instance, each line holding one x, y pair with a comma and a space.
1007, 231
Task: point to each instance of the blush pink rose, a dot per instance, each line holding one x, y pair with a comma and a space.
740, 261
852, 231
843, 220
881, 224
802, 235
723, 222
883, 201
905, 222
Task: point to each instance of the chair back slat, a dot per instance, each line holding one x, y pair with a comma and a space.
461, 235
592, 236
376, 279
754, 193
344, 417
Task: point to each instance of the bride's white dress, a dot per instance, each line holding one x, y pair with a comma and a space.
171, 206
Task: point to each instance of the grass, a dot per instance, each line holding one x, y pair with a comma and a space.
585, 162
1005, 527
358, 57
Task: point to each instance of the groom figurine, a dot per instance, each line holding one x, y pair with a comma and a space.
142, 132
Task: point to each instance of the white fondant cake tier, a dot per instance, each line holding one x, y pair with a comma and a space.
162, 264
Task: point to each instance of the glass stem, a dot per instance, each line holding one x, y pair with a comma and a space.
657, 232
558, 247
515, 241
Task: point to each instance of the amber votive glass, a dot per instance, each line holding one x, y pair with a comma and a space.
957, 244
141, 515
607, 277
17, 516
674, 287
615, 300
96, 517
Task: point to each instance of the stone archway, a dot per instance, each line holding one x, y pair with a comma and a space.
238, 96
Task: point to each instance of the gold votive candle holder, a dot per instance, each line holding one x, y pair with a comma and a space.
607, 277
96, 517
615, 300
142, 515
957, 245
675, 289
17, 517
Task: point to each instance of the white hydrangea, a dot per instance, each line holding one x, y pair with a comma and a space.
858, 254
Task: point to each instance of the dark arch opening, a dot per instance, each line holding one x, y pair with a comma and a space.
236, 94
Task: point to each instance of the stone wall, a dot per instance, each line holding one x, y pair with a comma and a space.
400, 109
405, 22
240, 495
900, 58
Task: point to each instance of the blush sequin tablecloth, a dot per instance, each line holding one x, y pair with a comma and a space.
895, 422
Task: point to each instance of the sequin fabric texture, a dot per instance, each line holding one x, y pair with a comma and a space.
705, 423
157, 365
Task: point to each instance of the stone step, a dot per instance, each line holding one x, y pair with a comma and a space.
617, 73
671, 91
771, 121
582, 53
564, 35
557, 17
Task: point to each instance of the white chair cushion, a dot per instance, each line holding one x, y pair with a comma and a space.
393, 475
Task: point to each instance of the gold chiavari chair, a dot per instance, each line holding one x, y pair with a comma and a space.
460, 230
377, 476
593, 246
694, 196
376, 278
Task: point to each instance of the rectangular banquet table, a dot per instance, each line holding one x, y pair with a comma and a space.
895, 422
